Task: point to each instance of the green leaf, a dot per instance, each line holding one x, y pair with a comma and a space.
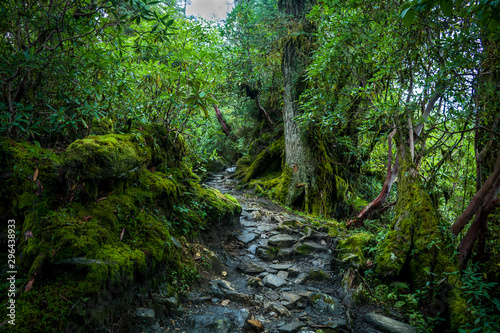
211, 100
169, 23
409, 17
447, 7
493, 24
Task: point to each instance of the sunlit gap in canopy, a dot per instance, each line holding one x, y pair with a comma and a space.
212, 10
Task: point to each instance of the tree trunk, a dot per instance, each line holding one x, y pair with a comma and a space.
261, 109
414, 249
299, 157
392, 172
223, 124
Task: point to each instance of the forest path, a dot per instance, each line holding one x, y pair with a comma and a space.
278, 275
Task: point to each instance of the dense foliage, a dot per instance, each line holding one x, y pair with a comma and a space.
382, 93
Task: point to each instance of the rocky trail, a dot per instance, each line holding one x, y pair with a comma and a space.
278, 273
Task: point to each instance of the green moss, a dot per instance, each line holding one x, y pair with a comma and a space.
159, 183
108, 156
102, 127
317, 275
415, 249
354, 248
29, 176
126, 235
267, 161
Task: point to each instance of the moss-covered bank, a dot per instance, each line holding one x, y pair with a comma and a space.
110, 210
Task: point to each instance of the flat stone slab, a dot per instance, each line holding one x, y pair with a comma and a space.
301, 278
285, 254
290, 300
145, 315
209, 324
281, 267
264, 228
310, 247
250, 267
248, 224
292, 327
282, 240
279, 308
325, 303
273, 281
387, 324
247, 237
283, 275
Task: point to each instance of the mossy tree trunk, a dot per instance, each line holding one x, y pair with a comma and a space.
416, 247
299, 156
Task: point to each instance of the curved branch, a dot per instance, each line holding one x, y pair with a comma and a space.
392, 172
490, 187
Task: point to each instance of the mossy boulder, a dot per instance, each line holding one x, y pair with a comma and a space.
354, 248
102, 127
317, 275
269, 160
78, 245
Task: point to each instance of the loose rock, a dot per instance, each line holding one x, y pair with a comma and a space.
145, 316
388, 324
255, 325
273, 281
282, 240
209, 324
248, 266
292, 327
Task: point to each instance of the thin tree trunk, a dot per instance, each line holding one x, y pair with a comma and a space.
268, 120
491, 185
479, 227
225, 127
392, 172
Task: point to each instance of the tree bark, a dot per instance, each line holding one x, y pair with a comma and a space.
392, 172
261, 109
479, 227
481, 200
298, 153
225, 127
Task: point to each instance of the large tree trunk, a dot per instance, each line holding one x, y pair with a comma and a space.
299, 157
414, 249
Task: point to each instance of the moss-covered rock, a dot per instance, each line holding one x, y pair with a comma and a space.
318, 275
354, 248
126, 235
102, 127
